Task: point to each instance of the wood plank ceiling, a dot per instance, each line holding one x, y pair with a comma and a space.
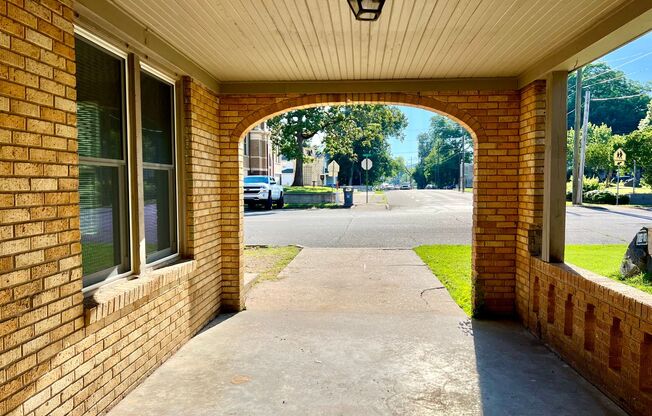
287, 40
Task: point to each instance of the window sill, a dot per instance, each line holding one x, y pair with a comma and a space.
125, 295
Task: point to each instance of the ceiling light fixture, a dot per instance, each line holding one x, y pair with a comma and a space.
366, 10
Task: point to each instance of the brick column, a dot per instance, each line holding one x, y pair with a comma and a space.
530, 219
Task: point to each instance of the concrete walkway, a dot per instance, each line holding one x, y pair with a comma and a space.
361, 332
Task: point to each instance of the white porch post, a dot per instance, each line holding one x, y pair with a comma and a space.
554, 179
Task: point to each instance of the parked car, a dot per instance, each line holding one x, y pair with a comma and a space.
263, 190
405, 186
430, 186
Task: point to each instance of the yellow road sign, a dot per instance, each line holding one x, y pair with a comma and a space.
619, 157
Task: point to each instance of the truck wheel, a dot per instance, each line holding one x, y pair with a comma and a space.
280, 203
268, 203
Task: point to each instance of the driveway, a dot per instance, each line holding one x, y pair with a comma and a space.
361, 332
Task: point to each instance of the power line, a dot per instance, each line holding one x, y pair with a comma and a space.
623, 97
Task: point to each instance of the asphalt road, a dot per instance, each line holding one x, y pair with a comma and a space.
418, 217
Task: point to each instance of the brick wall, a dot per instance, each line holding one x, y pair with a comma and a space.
61, 354
493, 119
599, 326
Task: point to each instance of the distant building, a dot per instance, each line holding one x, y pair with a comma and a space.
259, 155
313, 170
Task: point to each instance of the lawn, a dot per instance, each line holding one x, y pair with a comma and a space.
452, 266
605, 260
308, 189
268, 262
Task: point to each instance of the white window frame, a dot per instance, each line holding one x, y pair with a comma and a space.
175, 157
114, 50
130, 161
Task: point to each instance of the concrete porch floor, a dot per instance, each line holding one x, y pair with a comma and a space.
361, 332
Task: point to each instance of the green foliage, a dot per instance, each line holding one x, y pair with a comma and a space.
292, 131
622, 115
349, 132
604, 197
363, 130
440, 152
647, 120
308, 189
451, 264
638, 146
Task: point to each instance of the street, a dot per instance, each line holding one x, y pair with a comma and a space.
415, 217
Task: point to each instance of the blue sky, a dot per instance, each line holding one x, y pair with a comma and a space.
635, 59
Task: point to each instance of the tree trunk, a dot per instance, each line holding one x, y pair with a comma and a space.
351, 175
298, 169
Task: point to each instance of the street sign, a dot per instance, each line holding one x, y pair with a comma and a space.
619, 157
366, 164
333, 168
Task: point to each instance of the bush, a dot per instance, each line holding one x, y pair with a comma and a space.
604, 197
590, 184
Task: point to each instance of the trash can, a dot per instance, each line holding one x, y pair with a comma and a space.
348, 196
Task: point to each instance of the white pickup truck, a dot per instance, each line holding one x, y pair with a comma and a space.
262, 190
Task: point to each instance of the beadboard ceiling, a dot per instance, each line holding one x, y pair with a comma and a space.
307, 40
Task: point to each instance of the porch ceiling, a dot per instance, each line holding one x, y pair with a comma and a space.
309, 40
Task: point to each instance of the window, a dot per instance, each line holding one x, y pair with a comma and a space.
102, 162
105, 164
157, 109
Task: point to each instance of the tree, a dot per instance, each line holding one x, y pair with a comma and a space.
440, 152
292, 131
622, 114
638, 147
600, 147
363, 130
647, 120
348, 133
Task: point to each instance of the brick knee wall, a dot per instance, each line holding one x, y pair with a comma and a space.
599, 326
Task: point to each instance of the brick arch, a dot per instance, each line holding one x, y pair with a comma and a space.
464, 118
492, 117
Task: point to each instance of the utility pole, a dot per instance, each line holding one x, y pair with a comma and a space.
577, 185
462, 168
585, 129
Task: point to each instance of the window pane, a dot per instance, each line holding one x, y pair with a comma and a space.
156, 108
99, 102
158, 225
100, 219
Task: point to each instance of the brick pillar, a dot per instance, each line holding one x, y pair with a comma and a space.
232, 207
530, 219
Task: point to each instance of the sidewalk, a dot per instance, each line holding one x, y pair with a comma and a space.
376, 201
361, 332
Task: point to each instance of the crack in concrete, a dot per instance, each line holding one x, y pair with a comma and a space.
429, 289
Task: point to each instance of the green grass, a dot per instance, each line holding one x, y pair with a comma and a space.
452, 266
307, 189
605, 259
268, 262
379, 192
